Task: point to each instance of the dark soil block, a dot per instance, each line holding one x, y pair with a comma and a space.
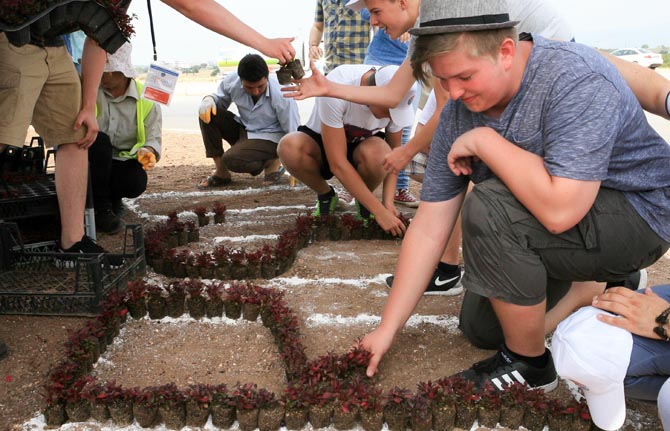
250, 311
335, 233
233, 309
99, 412
254, 270
214, 308
207, 272
579, 424
196, 413
466, 414
560, 422
223, 416
296, 419
175, 305
268, 270
511, 417
371, 420
173, 240
488, 417
145, 415
421, 421
319, 416
248, 419
193, 271
194, 236
284, 76
222, 271
54, 415
173, 415
219, 218
533, 420
238, 272
270, 418
137, 308
396, 418
183, 237
203, 220
121, 412
156, 308
444, 417
196, 307
78, 411
344, 420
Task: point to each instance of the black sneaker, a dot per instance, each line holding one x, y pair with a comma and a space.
3, 350
107, 222
502, 369
67, 257
439, 284
634, 281
119, 208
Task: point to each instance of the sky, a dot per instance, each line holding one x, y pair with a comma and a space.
599, 23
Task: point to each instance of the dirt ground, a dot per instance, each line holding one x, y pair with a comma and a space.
337, 289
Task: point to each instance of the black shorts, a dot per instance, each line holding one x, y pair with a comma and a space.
325, 171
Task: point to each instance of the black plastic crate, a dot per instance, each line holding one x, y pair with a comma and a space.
26, 189
34, 281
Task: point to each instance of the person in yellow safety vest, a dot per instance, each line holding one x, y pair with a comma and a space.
128, 144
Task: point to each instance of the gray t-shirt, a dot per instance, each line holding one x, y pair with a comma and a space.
575, 110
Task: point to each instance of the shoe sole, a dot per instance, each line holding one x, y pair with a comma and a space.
408, 204
452, 291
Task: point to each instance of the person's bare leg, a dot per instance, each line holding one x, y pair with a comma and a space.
522, 326
302, 158
71, 183
220, 170
580, 294
452, 251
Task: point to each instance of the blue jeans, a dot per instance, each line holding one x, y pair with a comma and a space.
649, 366
403, 178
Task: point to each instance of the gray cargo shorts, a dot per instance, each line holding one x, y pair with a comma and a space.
511, 257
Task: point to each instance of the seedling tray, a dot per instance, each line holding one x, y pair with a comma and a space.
34, 280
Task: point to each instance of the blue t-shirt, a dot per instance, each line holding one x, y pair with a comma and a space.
575, 110
383, 48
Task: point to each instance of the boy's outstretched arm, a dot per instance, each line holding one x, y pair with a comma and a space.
388, 95
215, 17
421, 249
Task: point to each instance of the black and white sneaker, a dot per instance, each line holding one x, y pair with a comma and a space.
440, 283
67, 258
502, 369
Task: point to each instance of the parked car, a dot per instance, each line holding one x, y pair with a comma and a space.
641, 56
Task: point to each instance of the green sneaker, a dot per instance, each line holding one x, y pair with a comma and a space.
363, 214
325, 207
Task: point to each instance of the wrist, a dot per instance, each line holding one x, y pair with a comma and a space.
662, 325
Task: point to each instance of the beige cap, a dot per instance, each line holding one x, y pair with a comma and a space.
120, 61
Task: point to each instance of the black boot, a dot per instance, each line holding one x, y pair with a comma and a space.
107, 222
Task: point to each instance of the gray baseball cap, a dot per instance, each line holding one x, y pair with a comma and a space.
456, 16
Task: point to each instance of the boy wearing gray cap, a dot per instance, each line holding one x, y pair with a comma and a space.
571, 181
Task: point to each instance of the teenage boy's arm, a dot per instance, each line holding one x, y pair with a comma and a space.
558, 203
401, 156
421, 248
92, 64
650, 88
215, 17
388, 95
335, 145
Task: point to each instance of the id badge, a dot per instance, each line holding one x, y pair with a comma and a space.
160, 83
